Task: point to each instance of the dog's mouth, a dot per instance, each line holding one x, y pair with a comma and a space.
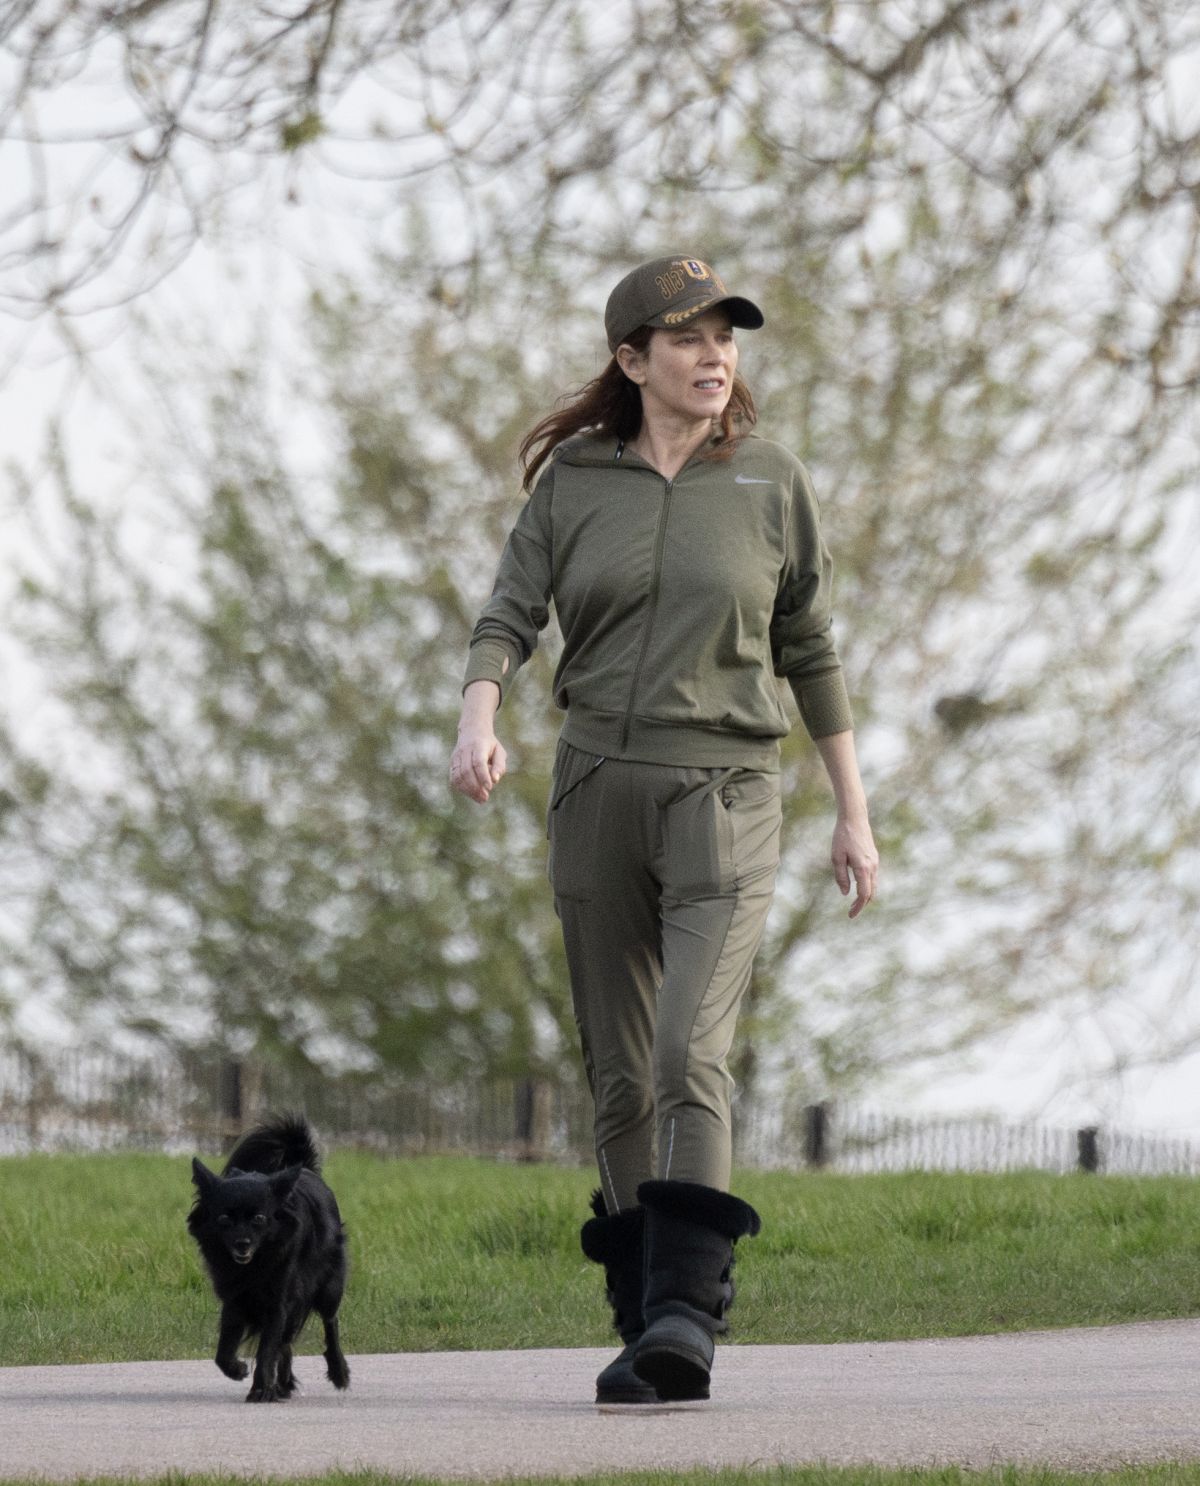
242, 1258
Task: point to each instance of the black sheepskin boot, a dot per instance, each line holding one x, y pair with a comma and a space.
616, 1243
690, 1234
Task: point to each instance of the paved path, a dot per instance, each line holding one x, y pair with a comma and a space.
1083, 1398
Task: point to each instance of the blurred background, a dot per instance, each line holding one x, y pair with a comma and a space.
281, 289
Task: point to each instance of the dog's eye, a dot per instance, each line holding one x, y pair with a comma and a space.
223, 1220
260, 1219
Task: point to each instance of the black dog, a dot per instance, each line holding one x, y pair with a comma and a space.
272, 1240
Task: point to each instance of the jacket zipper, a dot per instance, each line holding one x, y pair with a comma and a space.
656, 574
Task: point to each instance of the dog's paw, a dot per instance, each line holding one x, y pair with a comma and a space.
269, 1394
237, 1369
338, 1372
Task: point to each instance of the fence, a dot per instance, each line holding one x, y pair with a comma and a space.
85, 1101
82, 1101
845, 1139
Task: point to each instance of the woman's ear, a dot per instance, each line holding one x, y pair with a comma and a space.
631, 362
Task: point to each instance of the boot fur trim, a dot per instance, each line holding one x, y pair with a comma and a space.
721, 1211
614, 1240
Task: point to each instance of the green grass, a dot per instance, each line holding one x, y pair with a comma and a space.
811, 1475
461, 1254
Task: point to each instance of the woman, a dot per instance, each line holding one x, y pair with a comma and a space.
685, 561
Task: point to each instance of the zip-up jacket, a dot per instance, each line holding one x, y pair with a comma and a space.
680, 601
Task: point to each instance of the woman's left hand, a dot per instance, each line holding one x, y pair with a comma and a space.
854, 853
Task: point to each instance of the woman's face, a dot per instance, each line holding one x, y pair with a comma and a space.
685, 374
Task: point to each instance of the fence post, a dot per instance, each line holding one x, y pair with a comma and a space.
816, 1134
229, 1100
534, 1101
1087, 1141
28, 1064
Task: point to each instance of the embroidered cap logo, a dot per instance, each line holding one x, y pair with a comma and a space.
670, 283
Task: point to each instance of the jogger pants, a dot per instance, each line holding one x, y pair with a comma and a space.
662, 879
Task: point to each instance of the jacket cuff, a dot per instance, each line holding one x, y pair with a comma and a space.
486, 662
823, 702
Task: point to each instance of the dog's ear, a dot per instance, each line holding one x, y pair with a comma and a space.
281, 1185
203, 1178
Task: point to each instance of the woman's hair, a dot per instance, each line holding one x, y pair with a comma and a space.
611, 404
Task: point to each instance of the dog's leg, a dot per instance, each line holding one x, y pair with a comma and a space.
264, 1386
287, 1377
336, 1364
326, 1303
233, 1329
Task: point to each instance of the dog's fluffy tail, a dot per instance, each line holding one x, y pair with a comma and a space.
279, 1142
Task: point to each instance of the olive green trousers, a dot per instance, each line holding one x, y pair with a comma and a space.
662, 880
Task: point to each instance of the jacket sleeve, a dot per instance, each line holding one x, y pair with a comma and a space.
506, 634
802, 645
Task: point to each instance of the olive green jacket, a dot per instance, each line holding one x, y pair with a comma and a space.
679, 602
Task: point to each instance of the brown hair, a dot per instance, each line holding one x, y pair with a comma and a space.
611, 404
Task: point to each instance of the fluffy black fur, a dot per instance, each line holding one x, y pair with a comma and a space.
271, 1236
721, 1211
616, 1243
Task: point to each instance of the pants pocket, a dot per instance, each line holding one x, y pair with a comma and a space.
721, 834
698, 842
754, 811
570, 864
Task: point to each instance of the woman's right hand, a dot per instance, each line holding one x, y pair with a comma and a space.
479, 761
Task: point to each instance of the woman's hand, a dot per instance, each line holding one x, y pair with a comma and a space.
479, 761
854, 852
853, 844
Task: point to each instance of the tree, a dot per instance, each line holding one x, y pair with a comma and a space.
972, 226
1067, 113
262, 850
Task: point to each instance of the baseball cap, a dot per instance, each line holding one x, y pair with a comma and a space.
669, 292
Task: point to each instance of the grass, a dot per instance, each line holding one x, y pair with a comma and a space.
451, 1253
811, 1475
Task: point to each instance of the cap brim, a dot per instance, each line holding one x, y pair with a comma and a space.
743, 314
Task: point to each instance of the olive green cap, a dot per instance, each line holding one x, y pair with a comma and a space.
669, 292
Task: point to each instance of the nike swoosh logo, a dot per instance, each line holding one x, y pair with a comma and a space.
748, 480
